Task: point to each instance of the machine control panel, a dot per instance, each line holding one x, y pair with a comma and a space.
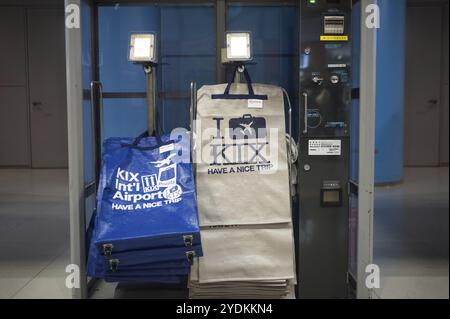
325, 66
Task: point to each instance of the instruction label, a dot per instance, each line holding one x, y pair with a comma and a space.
255, 104
324, 147
334, 38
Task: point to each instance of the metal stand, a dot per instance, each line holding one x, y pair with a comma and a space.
150, 73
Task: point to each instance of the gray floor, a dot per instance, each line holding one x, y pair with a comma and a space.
411, 242
411, 238
34, 233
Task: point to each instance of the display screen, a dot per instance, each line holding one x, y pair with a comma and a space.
331, 196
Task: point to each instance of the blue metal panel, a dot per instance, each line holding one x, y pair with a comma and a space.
390, 91
188, 30
274, 41
188, 53
274, 31
124, 117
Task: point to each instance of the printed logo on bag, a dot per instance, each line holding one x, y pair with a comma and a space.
147, 191
172, 192
245, 150
149, 183
167, 175
247, 126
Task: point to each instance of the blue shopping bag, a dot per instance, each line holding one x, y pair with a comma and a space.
146, 197
176, 280
137, 261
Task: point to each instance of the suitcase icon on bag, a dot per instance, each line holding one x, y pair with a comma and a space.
167, 176
247, 126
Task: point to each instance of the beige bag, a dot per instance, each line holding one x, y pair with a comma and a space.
243, 194
249, 253
242, 171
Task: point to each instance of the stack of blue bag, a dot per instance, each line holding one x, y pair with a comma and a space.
146, 226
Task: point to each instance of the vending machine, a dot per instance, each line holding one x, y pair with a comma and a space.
324, 148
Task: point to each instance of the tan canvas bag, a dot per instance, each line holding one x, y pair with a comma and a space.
242, 171
249, 253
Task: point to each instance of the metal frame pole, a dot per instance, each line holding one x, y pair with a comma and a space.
221, 25
366, 152
150, 74
75, 152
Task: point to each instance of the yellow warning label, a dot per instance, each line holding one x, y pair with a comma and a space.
334, 38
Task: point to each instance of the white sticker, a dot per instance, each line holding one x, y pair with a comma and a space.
166, 148
255, 104
337, 65
324, 147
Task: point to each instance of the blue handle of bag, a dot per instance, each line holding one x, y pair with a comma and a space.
247, 79
138, 139
251, 93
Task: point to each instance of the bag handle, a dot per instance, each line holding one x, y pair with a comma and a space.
251, 93
247, 79
137, 141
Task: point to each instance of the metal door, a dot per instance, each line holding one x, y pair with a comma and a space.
422, 85
14, 135
47, 85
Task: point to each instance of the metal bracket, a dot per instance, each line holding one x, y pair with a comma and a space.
190, 256
113, 264
148, 68
188, 240
107, 249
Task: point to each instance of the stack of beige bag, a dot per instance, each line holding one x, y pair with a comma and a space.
243, 194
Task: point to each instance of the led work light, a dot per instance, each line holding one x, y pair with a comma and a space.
143, 48
238, 46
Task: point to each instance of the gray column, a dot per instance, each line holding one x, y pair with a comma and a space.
75, 146
366, 152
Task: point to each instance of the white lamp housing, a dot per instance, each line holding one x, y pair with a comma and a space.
143, 48
238, 46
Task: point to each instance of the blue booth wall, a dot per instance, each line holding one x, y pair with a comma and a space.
274, 32
186, 52
389, 91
